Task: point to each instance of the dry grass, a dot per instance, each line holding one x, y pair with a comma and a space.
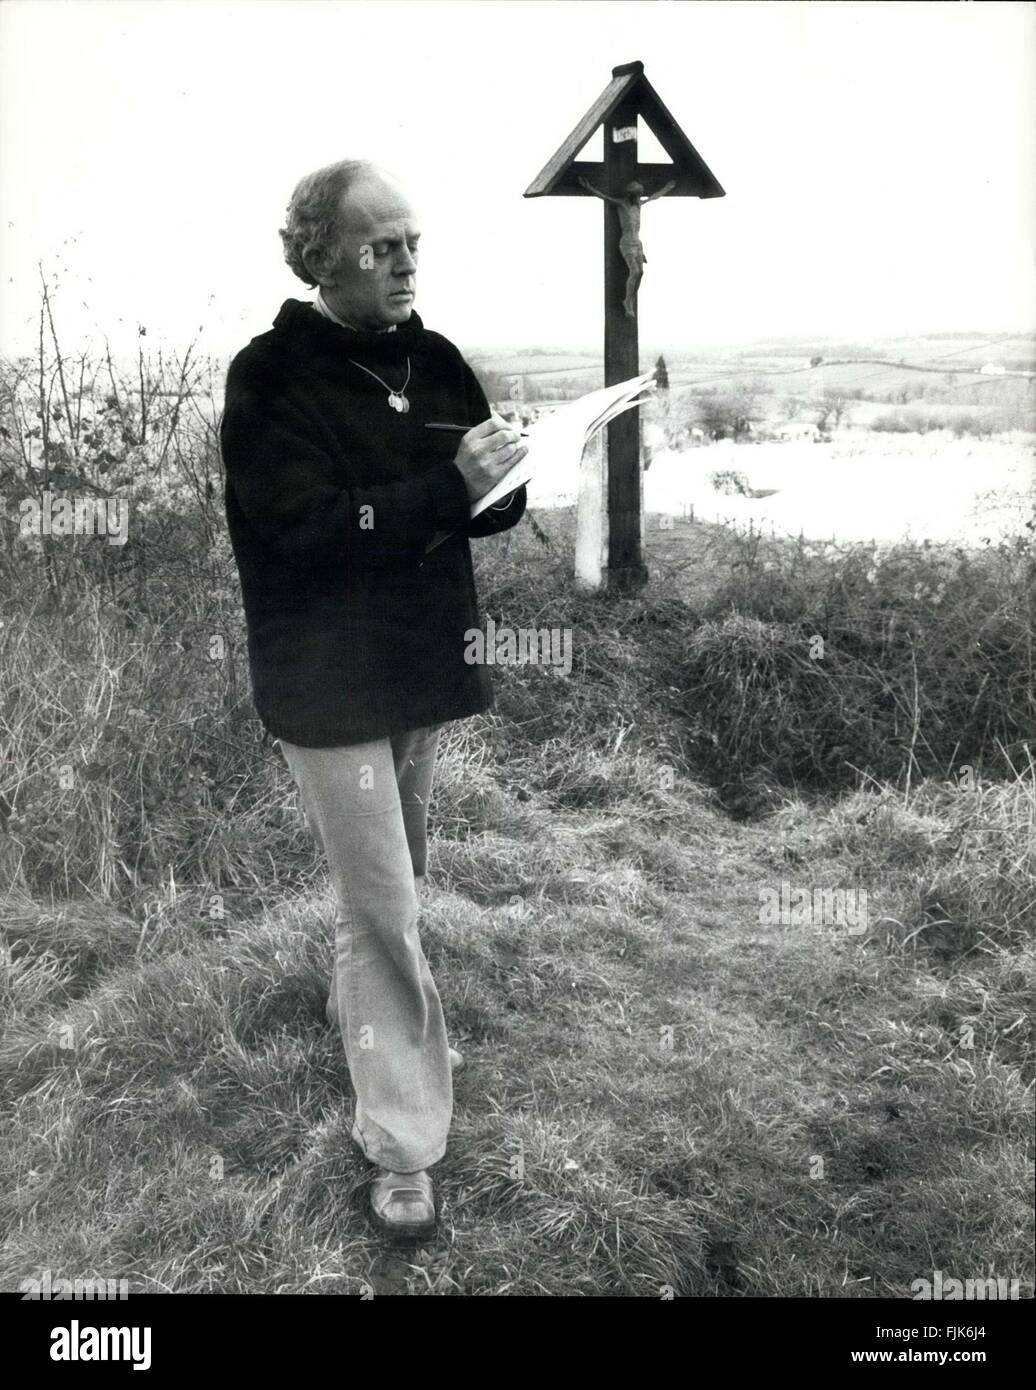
650, 1080
660, 1092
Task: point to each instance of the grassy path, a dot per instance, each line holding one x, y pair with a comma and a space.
659, 1092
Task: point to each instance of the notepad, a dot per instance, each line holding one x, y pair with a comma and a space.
556, 440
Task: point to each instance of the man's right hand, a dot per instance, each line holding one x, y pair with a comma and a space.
486, 453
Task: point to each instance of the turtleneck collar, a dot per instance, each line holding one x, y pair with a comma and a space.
308, 333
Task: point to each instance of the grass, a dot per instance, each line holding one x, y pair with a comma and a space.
661, 1091
650, 1081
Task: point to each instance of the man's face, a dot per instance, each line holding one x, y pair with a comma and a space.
375, 282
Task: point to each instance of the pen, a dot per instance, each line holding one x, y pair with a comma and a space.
461, 429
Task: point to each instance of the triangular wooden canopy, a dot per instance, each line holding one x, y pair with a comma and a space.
630, 90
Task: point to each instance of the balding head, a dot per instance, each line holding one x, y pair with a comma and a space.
351, 229
313, 223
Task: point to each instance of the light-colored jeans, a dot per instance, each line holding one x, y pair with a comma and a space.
368, 805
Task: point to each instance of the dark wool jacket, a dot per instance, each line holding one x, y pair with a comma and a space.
332, 497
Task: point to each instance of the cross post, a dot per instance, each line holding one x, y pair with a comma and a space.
626, 568
629, 97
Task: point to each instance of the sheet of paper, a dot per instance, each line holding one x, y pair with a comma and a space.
556, 441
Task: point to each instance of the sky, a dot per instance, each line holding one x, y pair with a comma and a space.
877, 160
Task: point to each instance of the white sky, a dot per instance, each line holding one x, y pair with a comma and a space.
878, 160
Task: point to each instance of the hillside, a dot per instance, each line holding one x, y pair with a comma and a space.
670, 1085
664, 1090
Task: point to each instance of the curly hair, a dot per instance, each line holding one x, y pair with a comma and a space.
313, 219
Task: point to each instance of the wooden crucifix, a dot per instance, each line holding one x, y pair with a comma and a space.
624, 185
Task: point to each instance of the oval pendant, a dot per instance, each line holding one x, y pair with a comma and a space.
394, 401
404, 404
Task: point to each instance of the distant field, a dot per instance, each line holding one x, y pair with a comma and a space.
859, 486
929, 371
955, 350
1017, 352
520, 364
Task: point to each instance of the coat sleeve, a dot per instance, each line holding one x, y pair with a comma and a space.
283, 479
509, 510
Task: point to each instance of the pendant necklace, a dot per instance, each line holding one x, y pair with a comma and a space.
396, 399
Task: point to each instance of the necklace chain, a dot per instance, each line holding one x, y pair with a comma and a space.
396, 399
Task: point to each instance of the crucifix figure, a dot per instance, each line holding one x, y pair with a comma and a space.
630, 245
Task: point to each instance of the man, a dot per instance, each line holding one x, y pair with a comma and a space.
338, 498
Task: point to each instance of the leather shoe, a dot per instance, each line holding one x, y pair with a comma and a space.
403, 1204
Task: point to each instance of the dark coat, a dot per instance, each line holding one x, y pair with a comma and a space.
332, 498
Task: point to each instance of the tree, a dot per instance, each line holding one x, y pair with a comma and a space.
834, 409
663, 402
731, 411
